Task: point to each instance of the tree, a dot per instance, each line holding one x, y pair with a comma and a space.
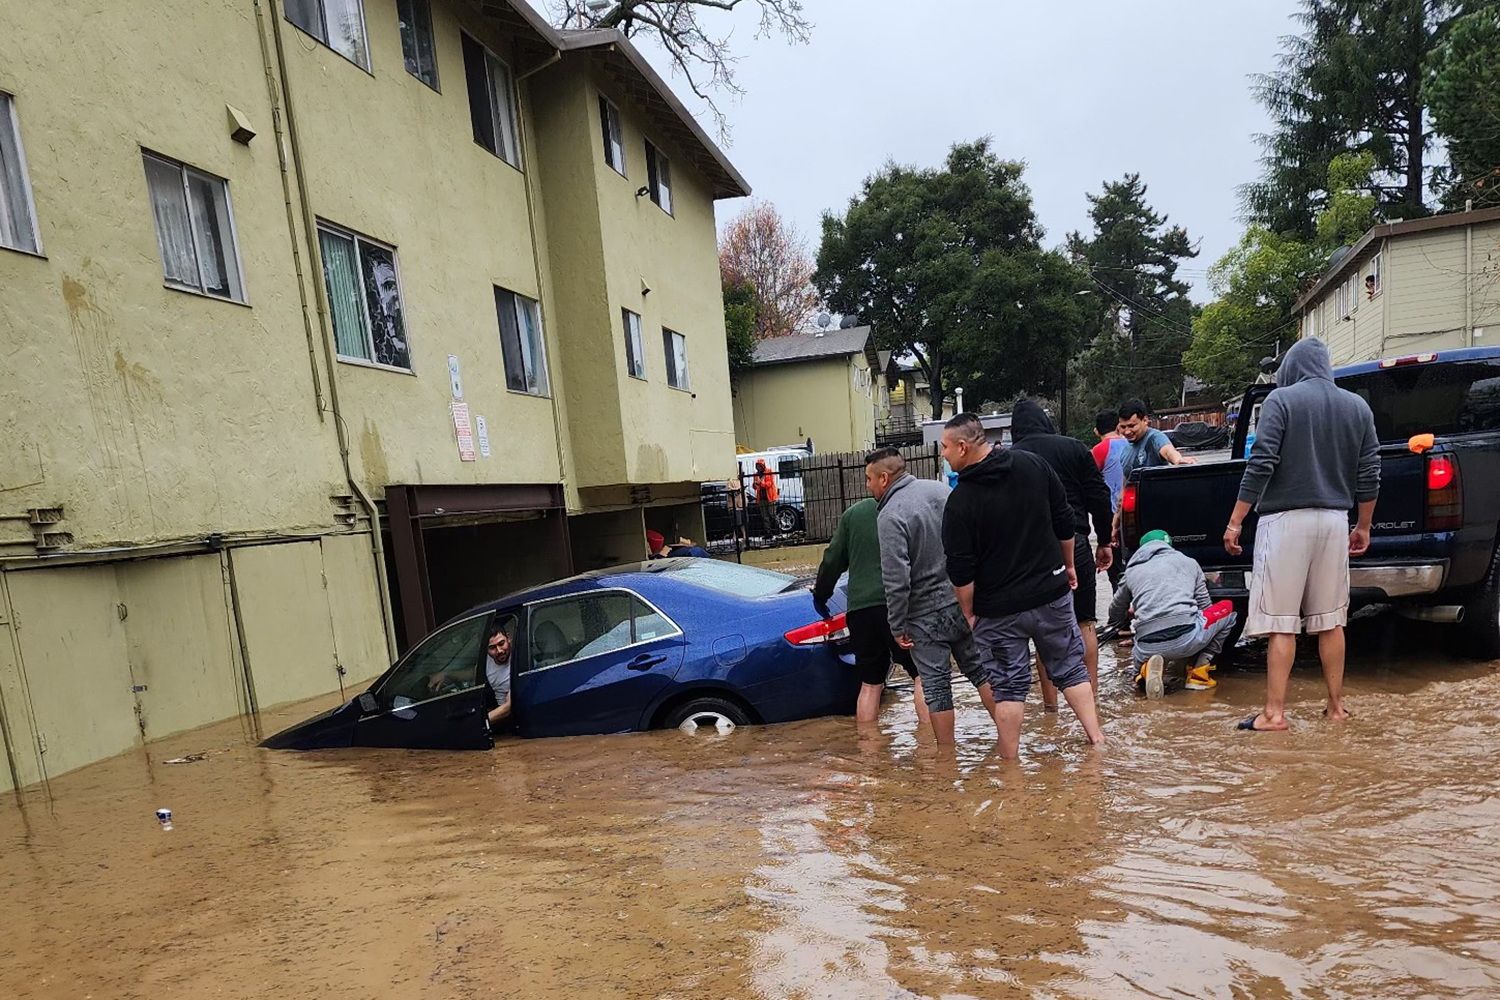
1142, 317
741, 304
762, 250
946, 265
1463, 91
702, 57
1352, 81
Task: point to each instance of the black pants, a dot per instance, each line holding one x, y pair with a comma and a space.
874, 646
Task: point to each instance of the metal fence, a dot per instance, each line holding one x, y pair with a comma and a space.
812, 499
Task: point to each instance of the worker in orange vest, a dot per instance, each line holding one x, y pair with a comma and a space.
766, 495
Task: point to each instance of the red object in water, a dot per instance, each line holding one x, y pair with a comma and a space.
1216, 612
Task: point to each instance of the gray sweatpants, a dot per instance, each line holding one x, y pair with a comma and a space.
940, 635
1200, 645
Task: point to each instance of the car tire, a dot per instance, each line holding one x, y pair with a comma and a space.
1480, 629
706, 714
787, 520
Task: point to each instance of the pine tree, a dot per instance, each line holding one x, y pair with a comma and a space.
1143, 315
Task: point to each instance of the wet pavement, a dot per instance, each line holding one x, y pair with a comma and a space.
813, 860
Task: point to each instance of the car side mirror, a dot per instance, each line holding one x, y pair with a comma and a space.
368, 704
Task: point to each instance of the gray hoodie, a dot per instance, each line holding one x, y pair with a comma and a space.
1315, 444
1166, 587
913, 565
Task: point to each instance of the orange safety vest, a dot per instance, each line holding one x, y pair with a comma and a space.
765, 486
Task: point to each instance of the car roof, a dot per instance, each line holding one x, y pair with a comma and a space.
640, 576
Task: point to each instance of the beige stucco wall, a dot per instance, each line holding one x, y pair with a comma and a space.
607, 246
821, 399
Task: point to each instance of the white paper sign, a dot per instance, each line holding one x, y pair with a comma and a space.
455, 382
464, 430
484, 435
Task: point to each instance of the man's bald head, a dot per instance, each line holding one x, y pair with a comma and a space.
964, 441
882, 468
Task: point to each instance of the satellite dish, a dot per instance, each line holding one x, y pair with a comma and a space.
824, 320
1339, 255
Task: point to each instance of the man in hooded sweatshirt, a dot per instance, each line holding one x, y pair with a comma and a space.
1032, 430
1316, 457
1008, 533
1175, 618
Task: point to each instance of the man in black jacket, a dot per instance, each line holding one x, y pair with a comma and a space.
1032, 430
1008, 534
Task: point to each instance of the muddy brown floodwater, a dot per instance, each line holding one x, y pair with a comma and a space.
805, 861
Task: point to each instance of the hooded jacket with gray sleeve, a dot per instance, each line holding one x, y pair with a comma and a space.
913, 565
1315, 444
1167, 588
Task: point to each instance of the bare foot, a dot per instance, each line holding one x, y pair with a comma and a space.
1337, 712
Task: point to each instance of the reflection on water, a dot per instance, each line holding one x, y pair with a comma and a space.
815, 860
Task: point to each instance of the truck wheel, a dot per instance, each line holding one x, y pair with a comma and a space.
1480, 628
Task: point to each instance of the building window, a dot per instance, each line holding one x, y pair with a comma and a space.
492, 102
1372, 280
417, 47
1310, 327
614, 142
17, 212
521, 343
659, 178
338, 24
635, 345
194, 229
1341, 301
364, 299
674, 345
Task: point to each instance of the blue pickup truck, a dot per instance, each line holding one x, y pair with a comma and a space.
1432, 550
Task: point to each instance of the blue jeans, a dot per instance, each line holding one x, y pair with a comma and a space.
940, 635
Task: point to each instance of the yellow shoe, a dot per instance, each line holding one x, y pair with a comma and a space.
1198, 679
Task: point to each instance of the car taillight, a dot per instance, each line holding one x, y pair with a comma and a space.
1410, 359
1445, 495
833, 629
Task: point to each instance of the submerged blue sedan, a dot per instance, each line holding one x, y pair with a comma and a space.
685, 643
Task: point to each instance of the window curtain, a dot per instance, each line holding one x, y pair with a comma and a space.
505, 117
679, 356
210, 226
173, 227
346, 29
15, 216
341, 276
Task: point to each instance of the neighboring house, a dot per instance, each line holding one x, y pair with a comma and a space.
809, 385
1410, 287
320, 329
910, 406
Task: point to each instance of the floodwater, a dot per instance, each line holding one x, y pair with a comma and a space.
814, 860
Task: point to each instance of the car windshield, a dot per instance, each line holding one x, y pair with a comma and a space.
1444, 398
730, 578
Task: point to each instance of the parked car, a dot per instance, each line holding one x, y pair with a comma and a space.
1433, 547
682, 643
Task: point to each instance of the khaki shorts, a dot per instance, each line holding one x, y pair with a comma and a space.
1301, 577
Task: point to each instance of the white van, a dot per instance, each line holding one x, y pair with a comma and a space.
782, 461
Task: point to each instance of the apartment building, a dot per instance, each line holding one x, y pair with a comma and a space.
322, 320
1410, 287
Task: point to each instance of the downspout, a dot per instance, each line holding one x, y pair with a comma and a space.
1469, 281
310, 225
529, 162
286, 195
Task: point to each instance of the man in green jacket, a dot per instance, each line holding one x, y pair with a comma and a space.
856, 548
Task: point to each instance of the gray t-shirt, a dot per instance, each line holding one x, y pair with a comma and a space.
498, 674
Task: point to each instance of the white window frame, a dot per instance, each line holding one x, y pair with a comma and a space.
507, 126
415, 6
10, 120
1354, 292
1341, 301
1310, 326
324, 38
659, 177
612, 135
231, 256
635, 344
343, 232
525, 304
1375, 273
675, 378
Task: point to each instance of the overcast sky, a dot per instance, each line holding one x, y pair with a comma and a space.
1083, 91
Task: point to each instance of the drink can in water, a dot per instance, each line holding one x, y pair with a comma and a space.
164, 817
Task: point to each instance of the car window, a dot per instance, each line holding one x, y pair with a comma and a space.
729, 578
1441, 398
590, 624
788, 468
446, 661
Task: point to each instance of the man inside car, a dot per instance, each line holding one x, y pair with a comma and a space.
497, 654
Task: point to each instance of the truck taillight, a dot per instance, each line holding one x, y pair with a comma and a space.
1127, 514
1127, 500
1410, 359
1445, 495
834, 629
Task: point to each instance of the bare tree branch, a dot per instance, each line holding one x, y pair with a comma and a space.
704, 60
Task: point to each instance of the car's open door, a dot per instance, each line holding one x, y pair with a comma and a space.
434, 698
